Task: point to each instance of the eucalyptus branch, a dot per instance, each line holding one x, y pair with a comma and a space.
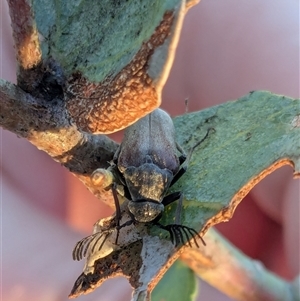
48, 126
27, 45
238, 276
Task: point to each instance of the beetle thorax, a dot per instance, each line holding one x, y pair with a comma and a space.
147, 182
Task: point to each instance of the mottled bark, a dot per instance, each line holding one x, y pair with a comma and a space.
47, 125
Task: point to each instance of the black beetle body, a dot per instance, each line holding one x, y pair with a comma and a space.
147, 159
145, 166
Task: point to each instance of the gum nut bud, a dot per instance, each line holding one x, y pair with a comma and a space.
102, 177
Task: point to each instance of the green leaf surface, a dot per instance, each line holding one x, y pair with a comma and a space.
178, 284
250, 135
108, 57
97, 38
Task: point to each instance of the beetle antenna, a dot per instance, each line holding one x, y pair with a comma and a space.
177, 237
95, 243
77, 251
186, 233
83, 246
186, 104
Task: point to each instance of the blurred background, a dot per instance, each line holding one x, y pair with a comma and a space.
227, 49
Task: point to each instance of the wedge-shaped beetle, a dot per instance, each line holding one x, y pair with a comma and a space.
147, 163
147, 159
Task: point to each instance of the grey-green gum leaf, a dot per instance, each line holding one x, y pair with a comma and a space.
178, 283
250, 135
97, 38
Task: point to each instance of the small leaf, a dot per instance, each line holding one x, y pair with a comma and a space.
97, 38
179, 283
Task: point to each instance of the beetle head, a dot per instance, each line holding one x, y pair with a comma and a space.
145, 211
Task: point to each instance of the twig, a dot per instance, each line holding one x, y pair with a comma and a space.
48, 126
27, 45
235, 274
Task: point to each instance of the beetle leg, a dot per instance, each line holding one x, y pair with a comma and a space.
118, 210
120, 181
127, 193
182, 159
176, 234
170, 198
128, 223
181, 150
180, 173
